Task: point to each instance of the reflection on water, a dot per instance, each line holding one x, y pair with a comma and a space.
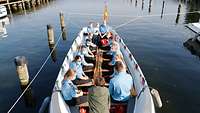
29, 99
3, 23
53, 52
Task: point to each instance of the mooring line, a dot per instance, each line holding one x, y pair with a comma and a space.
128, 22
35, 75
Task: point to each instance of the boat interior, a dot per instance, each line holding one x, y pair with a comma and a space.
101, 68
141, 102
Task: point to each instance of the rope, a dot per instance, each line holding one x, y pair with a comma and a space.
35, 75
128, 22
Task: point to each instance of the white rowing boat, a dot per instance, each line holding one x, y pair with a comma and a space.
142, 103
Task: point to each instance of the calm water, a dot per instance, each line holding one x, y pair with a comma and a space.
157, 44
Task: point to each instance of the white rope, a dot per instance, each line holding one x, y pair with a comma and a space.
128, 22
35, 75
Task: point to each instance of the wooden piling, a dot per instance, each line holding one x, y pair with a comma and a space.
163, 6
62, 20
135, 3
33, 3
9, 8
27, 5
14, 7
22, 70
178, 13
38, 2
20, 6
50, 34
150, 1
62, 25
142, 4
23, 5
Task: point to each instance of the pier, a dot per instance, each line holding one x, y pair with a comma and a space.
13, 5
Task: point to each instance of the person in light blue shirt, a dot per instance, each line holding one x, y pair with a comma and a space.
121, 84
70, 92
80, 77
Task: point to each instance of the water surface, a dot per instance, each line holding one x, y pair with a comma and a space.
156, 42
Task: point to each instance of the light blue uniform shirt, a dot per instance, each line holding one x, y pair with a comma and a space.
68, 89
78, 68
120, 86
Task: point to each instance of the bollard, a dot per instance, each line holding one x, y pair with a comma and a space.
22, 70
50, 34
62, 25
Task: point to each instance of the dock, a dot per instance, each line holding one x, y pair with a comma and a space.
21, 4
195, 27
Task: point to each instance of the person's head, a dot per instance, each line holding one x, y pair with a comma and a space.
99, 81
119, 67
102, 29
118, 57
69, 74
77, 58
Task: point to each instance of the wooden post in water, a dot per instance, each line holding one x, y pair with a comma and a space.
22, 70
50, 34
163, 6
178, 13
20, 6
14, 7
135, 3
8, 6
27, 4
62, 25
33, 3
23, 5
150, 1
38, 2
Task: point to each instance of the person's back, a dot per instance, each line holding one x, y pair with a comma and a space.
99, 99
121, 84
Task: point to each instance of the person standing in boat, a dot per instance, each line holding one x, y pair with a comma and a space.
101, 39
99, 97
71, 94
121, 84
80, 77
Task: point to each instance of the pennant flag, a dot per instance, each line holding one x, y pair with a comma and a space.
105, 13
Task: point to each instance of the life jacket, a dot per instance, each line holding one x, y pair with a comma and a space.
104, 42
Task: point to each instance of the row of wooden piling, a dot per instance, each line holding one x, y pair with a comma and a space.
21, 61
24, 4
